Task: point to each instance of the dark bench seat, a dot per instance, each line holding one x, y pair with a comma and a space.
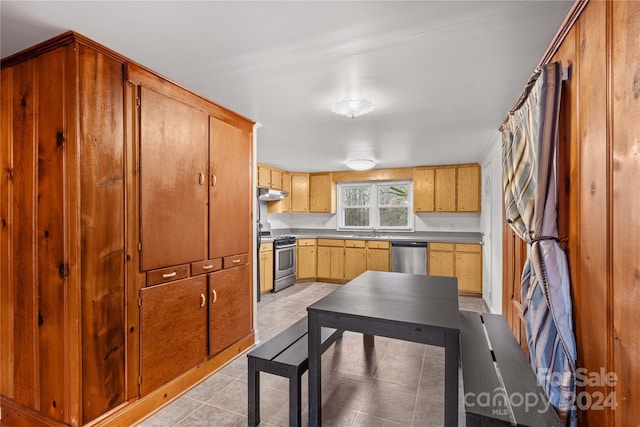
285, 355
494, 369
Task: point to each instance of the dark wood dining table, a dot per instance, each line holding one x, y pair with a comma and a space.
403, 306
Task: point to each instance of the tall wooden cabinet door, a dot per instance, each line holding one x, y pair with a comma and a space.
441, 259
173, 188
230, 308
286, 186
299, 192
322, 195
424, 190
231, 189
445, 192
355, 262
468, 188
173, 330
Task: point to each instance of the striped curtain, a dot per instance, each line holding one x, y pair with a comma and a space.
529, 141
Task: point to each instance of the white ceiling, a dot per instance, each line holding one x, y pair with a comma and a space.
442, 74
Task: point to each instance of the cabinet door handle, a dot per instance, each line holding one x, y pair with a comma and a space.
214, 180
202, 300
215, 296
207, 267
201, 179
167, 275
235, 261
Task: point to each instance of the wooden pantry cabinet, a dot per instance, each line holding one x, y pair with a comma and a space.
461, 260
121, 191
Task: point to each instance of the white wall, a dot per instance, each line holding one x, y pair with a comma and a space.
491, 225
423, 222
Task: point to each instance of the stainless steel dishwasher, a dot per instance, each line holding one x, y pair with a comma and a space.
409, 257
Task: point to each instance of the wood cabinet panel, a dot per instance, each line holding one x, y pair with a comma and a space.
208, 266
424, 190
461, 260
231, 189
173, 188
378, 259
266, 267
468, 188
173, 330
286, 186
441, 262
276, 179
264, 176
306, 242
337, 263
299, 192
169, 274
230, 307
355, 261
307, 261
324, 261
322, 193
469, 271
445, 189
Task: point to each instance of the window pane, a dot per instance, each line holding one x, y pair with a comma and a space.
356, 196
356, 217
393, 195
394, 217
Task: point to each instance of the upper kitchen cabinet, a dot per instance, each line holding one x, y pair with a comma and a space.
322, 193
173, 181
447, 189
269, 177
299, 192
468, 188
230, 201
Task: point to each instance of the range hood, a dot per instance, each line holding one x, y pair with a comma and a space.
267, 195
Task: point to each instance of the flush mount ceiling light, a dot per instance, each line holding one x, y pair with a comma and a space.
360, 164
353, 107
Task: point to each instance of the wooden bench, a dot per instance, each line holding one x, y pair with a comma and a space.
500, 387
285, 355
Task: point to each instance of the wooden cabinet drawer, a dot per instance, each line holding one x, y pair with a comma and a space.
354, 243
331, 242
468, 247
234, 261
375, 244
170, 274
207, 266
307, 242
441, 246
266, 247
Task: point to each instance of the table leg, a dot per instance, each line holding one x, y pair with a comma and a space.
451, 355
315, 370
368, 340
253, 409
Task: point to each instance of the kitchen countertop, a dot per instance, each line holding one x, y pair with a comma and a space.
418, 236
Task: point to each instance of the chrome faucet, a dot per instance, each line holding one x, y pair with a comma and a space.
373, 232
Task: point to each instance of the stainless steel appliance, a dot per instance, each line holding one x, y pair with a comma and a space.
284, 259
409, 257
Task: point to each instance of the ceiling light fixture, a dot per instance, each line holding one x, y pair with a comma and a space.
360, 164
353, 107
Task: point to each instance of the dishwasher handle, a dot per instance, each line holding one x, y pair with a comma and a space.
399, 244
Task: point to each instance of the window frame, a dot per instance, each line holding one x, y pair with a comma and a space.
374, 206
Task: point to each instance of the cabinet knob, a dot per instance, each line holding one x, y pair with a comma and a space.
215, 296
201, 178
214, 180
202, 300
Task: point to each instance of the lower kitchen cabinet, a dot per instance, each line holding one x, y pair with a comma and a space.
378, 256
331, 259
461, 260
173, 330
266, 267
307, 259
355, 258
229, 307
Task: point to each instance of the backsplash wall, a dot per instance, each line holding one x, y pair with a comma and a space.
423, 222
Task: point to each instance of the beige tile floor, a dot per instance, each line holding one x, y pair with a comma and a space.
397, 384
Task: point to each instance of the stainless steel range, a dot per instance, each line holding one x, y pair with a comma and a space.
284, 259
